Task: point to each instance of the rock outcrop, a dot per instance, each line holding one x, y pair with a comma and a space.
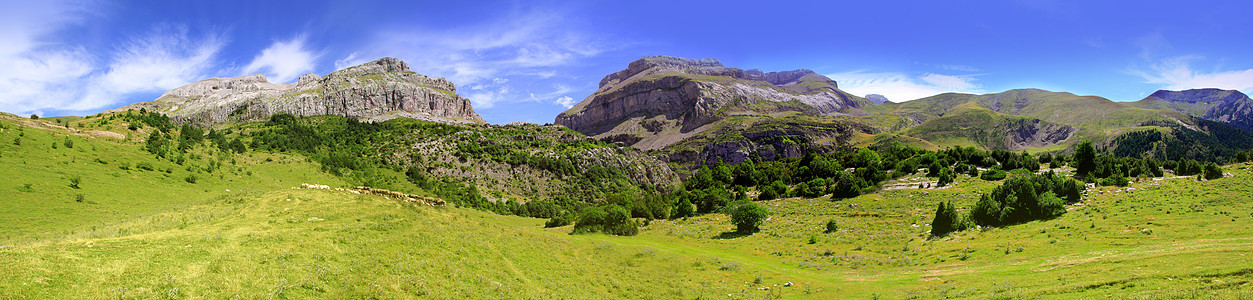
877, 99
1225, 106
379, 90
660, 100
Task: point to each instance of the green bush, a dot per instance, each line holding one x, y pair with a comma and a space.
74, 181
945, 220
612, 219
993, 174
1212, 171
832, 226
558, 221
683, 210
1019, 200
748, 218
191, 178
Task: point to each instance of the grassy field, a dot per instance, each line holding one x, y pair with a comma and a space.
151, 234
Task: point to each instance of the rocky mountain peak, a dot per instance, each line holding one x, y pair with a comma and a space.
378, 90
704, 66
877, 99
1200, 95
660, 101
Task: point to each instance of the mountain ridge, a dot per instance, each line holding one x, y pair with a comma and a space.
1230, 107
375, 91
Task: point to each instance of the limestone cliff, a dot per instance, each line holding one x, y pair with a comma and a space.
379, 90
659, 101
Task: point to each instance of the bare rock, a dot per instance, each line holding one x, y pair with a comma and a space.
375, 91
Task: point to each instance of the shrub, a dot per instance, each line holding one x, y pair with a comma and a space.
558, 221
1212, 171
683, 210
191, 178
748, 218
946, 177
34, 117
69, 143
831, 226
146, 166
613, 220
993, 174
946, 220
74, 181
1116, 179
592, 219
1019, 201
618, 222
79, 198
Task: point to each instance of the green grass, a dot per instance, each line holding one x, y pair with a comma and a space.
111, 193
150, 234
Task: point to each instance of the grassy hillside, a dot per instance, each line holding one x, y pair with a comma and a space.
1168, 238
117, 180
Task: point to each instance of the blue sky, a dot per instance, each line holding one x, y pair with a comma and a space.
530, 60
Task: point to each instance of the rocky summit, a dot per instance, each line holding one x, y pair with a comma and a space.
1226, 106
375, 91
661, 100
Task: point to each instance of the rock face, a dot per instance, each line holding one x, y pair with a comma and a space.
660, 100
877, 99
1226, 106
379, 90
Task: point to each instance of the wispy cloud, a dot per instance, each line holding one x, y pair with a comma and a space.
532, 43
43, 74
284, 61
1177, 73
37, 72
900, 87
559, 96
166, 58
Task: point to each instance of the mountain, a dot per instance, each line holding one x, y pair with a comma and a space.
1027, 119
1226, 106
877, 99
685, 105
379, 90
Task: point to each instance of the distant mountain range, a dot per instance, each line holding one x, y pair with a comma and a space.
698, 111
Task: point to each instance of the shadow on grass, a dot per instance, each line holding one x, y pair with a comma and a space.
732, 235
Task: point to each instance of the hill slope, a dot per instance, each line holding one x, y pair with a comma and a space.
379, 90
1037, 119
1230, 107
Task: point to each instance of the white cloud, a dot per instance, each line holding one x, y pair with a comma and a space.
900, 87
1177, 73
352, 60
162, 60
558, 96
38, 74
43, 74
515, 50
284, 61
566, 101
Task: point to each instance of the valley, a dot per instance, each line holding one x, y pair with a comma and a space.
720, 183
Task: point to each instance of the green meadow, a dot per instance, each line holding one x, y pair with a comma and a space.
240, 230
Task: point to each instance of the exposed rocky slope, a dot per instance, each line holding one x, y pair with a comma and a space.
660, 101
877, 99
378, 90
1226, 106
1032, 118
